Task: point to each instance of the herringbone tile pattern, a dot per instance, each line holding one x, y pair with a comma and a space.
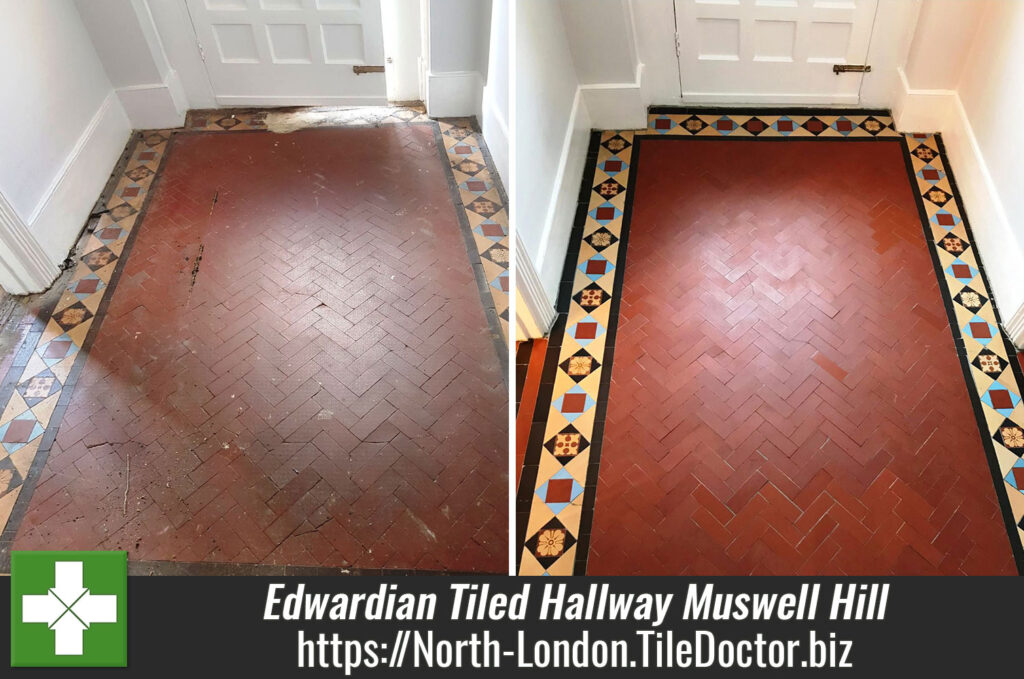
295, 367
786, 396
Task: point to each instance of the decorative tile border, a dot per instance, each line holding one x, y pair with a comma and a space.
555, 501
40, 381
485, 212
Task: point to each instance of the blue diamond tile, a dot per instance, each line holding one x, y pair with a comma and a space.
17, 433
1000, 399
586, 330
462, 150
56, 350
662, 124
596, 267
846, 129
932, 175
574, 403
785, 125
961, 270
490, 229
612, 166
980, 330
559, 491
501, 282
605, 213
86, 286
1015, 477
725, 126
944, 218
477, 187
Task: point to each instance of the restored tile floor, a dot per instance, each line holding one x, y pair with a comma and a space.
785, 396
295, 366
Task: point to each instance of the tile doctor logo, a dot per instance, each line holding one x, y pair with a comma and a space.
69, 609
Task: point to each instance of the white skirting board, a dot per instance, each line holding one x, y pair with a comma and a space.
24, 266
561, 210
158, 106
65, 207
535, 314
617, 106
454, 94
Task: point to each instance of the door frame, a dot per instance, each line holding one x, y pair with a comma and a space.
180, 42
893, 33
770, 98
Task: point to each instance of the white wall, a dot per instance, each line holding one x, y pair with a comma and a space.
551, 131
62, 129
496, 95
458, 53
126, 39
602, 40
990, 98
961, 78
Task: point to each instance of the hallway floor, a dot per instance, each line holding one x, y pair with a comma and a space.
766, 383
297, 363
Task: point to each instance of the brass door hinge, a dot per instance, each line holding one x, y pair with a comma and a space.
851, 68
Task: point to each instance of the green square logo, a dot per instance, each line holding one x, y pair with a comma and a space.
69, 609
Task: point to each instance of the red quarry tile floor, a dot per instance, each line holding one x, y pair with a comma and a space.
295, 368
529, 367
786, 396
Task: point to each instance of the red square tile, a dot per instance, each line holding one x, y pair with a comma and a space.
574, 403
961, 271
1000, 399
489, 229
87, 286
1018, 476
559, 490
57, 349
980, 330
18, 431
586, 330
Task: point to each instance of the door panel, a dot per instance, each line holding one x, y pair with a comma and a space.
280, 52
772, 51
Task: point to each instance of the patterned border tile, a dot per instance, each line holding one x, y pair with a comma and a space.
555, 500
41, 378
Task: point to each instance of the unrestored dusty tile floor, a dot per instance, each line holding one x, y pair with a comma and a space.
294, 364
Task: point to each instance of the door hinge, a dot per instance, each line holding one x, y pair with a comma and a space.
202, 52
678, 47
851, 68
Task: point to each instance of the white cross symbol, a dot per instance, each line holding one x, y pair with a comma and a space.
68, 608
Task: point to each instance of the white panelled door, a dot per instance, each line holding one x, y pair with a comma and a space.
291, 52
772, 51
